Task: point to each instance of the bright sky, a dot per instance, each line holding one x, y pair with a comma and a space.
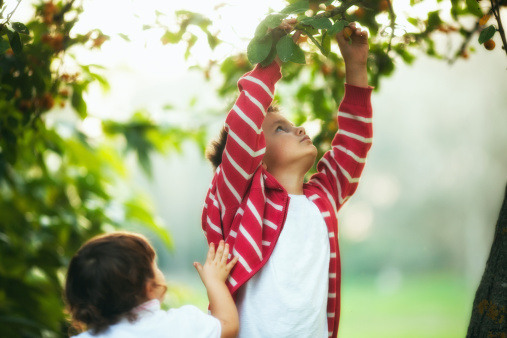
236, 21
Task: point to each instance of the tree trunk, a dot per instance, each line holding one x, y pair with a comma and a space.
489, 313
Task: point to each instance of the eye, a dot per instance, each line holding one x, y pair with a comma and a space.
279, 128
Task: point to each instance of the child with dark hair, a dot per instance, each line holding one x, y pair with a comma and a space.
114, 289
283, 229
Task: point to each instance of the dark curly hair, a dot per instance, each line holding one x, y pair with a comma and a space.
106, 279
216, 147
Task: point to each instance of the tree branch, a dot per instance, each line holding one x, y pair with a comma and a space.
495, 8
11, 13
393, 19
339, 10
465, 42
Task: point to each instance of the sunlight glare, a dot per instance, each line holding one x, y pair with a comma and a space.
357, 222
92, 127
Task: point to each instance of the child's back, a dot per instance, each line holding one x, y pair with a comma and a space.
151, 321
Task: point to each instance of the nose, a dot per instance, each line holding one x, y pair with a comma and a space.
300, 131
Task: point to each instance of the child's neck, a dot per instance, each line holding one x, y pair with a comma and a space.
291, 181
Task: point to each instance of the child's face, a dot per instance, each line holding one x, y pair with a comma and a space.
287, 146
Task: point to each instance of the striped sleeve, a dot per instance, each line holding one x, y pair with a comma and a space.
245, 144
340, 168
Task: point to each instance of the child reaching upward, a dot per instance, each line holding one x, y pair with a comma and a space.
284, 231
114, 289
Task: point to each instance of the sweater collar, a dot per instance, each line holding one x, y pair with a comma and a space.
148, 307
271, 182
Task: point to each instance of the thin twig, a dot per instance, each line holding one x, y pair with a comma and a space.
495, 8
11, 13
393, 20
465, 42
339, 10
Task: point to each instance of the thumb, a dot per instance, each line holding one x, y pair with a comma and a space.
198, 267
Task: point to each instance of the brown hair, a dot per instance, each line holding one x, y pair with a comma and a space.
216, 147
107, 278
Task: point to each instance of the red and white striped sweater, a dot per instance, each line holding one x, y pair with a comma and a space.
247, 206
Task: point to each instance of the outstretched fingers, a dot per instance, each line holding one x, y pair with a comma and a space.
225, 255
211, 252
220, 252
233, 262
352, 34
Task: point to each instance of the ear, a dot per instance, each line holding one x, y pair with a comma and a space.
264, 165
150, 289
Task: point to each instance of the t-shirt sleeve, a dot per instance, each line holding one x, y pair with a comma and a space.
192, 322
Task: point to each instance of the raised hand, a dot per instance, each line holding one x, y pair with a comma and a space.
353, 43
216, 268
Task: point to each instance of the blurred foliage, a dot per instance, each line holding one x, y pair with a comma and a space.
56, 182
319, 83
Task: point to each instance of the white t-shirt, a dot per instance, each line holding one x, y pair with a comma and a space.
186, 321
288, 296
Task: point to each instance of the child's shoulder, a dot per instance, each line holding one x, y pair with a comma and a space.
190, 321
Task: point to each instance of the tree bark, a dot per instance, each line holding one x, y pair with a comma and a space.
489, 312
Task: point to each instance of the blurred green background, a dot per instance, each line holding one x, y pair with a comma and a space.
414, 238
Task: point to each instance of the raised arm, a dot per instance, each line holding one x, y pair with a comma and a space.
245, 144
213, 275
340, 168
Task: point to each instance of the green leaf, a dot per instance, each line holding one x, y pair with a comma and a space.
405, 55
298, 56
487, 34
285, 48
337, 27
326, 44
77, 100
170, 37
434, 20
455, 9
20, 28
297, 7
3, 30
258, 49
317, 22
473, 7
270, 58
274, 20
317, 43
261, 30
102, 80
124, 37
4, 45
413, 21
15, 41
213, 41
